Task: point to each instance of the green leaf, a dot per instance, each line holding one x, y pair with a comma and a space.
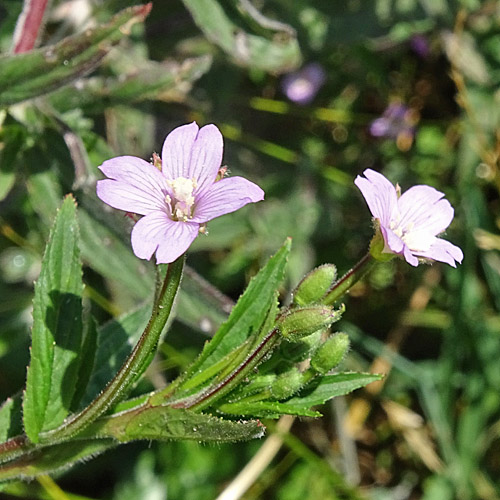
164, 81
11, 418
86, 361
53, 458
34, 73
57, 328
316, 393
278, 54
115, 341
325, 388
165, 423
266, 409
250, 312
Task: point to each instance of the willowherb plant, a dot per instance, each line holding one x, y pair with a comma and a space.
253, 366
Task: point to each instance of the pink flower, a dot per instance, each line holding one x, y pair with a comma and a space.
410, 223
178, 197
302, 86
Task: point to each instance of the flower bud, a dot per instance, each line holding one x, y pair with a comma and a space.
287, 384
300, 322
330, 354
302, 349
314, 285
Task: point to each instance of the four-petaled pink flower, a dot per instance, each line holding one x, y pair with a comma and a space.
410, 223
178, 198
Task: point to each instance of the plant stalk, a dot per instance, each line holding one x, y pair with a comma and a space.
342, 286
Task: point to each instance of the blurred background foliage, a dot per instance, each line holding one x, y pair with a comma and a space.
407, 87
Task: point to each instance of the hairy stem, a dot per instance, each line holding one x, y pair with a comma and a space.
133, 365
342, 286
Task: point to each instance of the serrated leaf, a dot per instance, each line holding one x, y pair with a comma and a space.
31, 74
115, 341
11, 422
330, 386
278, 54
57, 328
249, 313
165, 423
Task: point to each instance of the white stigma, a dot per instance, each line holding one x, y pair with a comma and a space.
183, 198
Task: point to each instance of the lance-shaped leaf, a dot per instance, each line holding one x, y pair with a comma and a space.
278, 54
318, 392
330, 386
34, 73
165, 423
250, 312
57, 328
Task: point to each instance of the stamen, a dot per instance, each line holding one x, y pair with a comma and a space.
183, 198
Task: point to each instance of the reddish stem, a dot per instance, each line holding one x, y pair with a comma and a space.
28, 25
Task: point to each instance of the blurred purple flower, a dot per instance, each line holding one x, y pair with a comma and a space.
176, 196
410, 223
302, 86
420, 45
396, 120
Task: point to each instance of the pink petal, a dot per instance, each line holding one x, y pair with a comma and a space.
134, 185
409, 257
443, 251
392, 242
423, 208
157, 232
226, 196
192, 153
379, 193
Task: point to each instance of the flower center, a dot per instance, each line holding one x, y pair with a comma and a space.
415, 240
183, 198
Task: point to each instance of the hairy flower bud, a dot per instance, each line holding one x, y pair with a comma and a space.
314, 285
302, 349
330, 354
300, 322
287, 384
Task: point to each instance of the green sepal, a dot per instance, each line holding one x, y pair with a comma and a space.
378, 245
